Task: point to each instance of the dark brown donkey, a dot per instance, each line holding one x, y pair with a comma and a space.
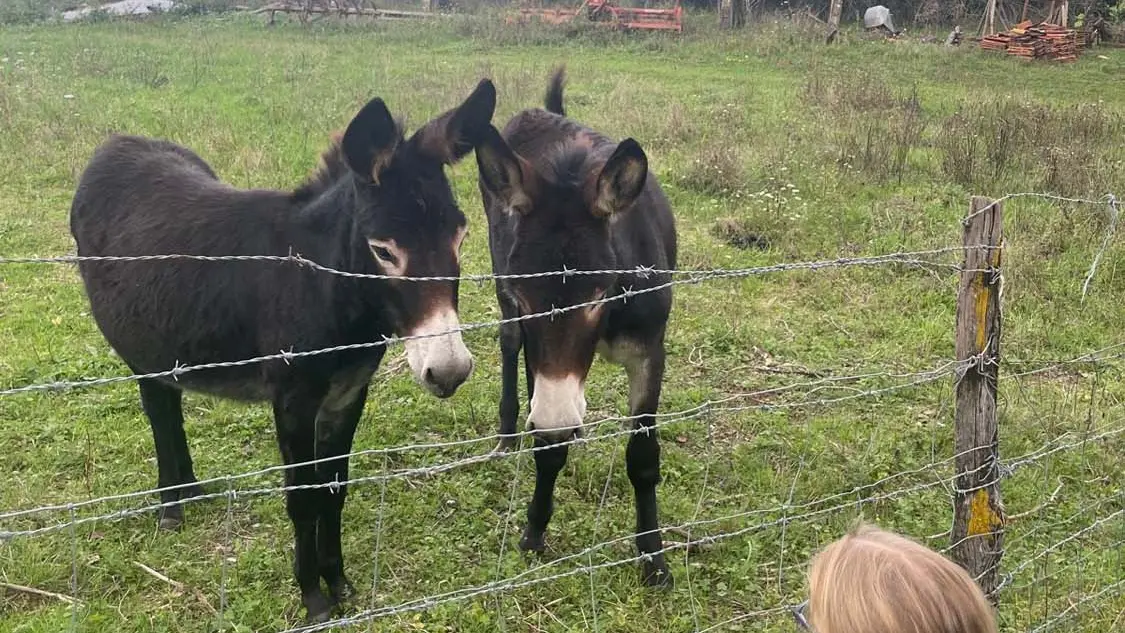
559, 194
380, 204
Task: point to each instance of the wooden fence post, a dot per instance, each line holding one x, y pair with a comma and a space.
977, 537
732, 14
834, 9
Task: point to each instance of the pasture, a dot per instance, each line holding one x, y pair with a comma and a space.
772, 149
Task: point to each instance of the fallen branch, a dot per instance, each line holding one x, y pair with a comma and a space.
39, 592
177, 585
159, 576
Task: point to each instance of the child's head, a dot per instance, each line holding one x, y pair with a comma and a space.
874, 581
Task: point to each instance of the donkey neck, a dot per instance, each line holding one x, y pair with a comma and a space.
323, 228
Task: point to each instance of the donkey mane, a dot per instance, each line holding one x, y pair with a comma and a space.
565, 165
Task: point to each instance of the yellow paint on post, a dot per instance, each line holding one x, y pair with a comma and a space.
983, 295
982, 518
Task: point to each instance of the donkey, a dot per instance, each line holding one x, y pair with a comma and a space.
379, 204
559, 194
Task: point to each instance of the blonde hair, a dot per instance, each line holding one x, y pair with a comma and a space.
874, 581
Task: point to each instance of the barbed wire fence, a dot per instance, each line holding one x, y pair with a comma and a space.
1046, 565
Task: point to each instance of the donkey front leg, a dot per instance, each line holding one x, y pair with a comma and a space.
163, 406
642, 459
295, 412
548, 463
336, 424
511, 338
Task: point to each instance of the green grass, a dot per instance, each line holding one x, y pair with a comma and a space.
764, 132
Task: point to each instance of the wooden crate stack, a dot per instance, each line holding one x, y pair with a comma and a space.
1031, 41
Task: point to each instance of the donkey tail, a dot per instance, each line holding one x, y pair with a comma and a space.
554, 98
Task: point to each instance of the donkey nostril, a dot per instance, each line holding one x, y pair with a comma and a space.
429, 376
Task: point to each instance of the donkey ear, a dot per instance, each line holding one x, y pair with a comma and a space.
370, 140
621, 180
449, 137
503, 173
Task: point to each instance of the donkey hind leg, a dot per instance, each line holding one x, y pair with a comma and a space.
295, 409
642, 459
163, 406
336, 424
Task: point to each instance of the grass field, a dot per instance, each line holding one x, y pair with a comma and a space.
771, 147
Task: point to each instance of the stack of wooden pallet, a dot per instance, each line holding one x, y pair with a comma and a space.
1034, 41
1064, 42
998, 42
1028, 43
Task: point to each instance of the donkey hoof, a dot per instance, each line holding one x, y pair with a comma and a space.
657, 575
533, 542
341, 590
170, 518
192, 491
506, 443
318, 607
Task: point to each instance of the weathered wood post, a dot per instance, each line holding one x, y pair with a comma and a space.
732, 14
834, 9
977, 537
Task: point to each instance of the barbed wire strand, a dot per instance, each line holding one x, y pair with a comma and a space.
288, 356
907, 257
517, 582
503, 544
448, 466
1008, 469
940, 371
1060, 543
594, 538
921, 377
1067, 613
73, 571
708, 459
1113, 216
1110, 547
379, 533
1032, 194
714, 538
227, 552
742, 618
692, 413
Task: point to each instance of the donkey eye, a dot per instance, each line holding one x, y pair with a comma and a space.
383, 254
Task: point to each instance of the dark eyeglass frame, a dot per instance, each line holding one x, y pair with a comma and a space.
799, 615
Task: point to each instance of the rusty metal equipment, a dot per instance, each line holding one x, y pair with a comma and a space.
608, 13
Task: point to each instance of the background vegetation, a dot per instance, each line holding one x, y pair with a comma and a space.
771, 147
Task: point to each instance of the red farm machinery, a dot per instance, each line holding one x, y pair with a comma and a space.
608, 13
